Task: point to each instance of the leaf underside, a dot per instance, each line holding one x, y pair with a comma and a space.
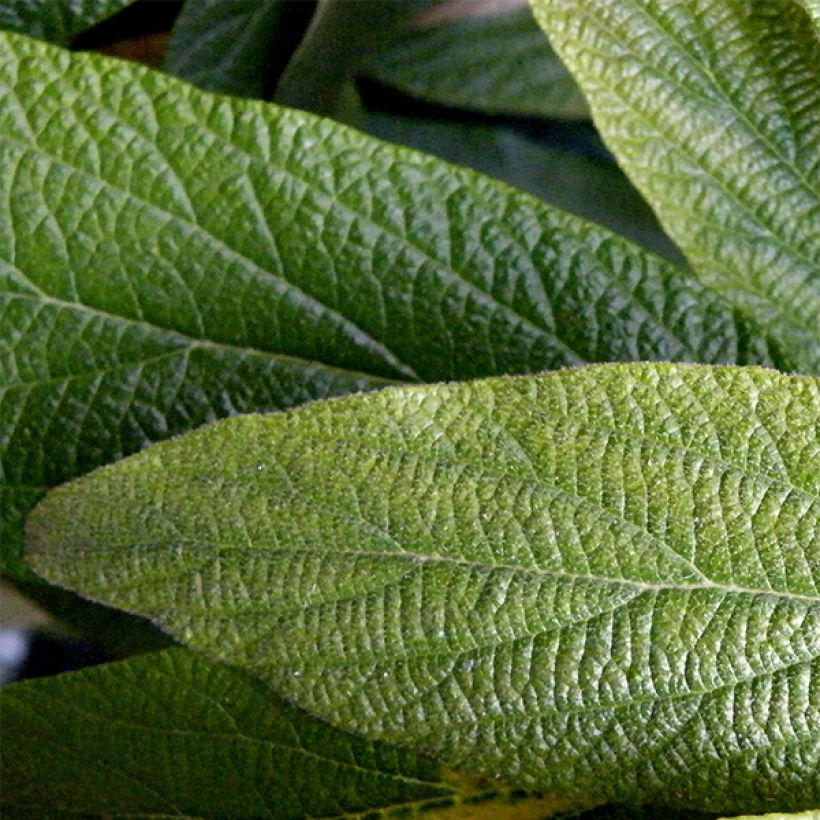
713, 109
169, 257
600, 583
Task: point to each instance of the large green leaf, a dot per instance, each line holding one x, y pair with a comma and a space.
599, 582
168, 257
171, 734
713, 108
235, 46
56, 20
499, 64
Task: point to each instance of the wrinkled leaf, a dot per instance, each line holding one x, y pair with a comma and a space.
713, 109
169, 257
56, 20
235, 46
171, 734
497, 64
601, 583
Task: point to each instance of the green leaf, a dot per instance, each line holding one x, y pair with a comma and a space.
169, 257
813, 8
713, 109
601, 583
56, 20
341, 36
171, 734
497, 64
235, 46
590, 186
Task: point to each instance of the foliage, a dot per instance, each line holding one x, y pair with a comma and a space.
597, 584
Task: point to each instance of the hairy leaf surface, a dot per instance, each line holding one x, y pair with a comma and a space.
172, 734
56, 20
713, 108
600, 582
168, 257
498, 64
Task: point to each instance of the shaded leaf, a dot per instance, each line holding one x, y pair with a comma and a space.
171, 734
590, 186
56, 20
236, 46
601, 583
497, 64
713, 109
169, 257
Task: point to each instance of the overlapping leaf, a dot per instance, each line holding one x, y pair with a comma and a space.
170, 734
499, 64
235, 46
56, 20
601, 582
168, 257
713, 108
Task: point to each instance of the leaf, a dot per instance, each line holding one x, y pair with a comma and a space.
600, 583
56, 20
497, 64
713, 109
235, 46
590, 186
813, 8
340, 38
171, 734
169, 257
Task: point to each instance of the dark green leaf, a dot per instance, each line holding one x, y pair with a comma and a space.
56, 20
592, 187
169, 257
170, 734
236, 46
602, 583
498, 64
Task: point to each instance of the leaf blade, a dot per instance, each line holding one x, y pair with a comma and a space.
56, 20
511, 573
238, 47
170, 733
711, 108
497, 64
170, 257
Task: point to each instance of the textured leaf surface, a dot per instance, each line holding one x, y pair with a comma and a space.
813, 8
56, 20
499, 64
235, 46
168, 257
172, 734
713, 108
803, 815
600, 582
